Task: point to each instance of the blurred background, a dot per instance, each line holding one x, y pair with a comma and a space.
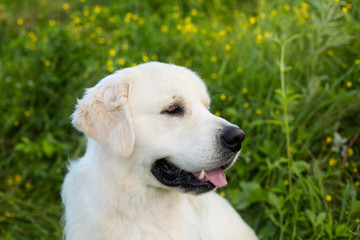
287, 72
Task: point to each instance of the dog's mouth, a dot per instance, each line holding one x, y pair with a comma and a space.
195, 182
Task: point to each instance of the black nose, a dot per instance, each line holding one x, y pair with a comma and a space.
232, 138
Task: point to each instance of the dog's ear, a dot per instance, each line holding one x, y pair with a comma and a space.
104, 115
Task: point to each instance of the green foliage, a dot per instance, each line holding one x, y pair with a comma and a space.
287, 73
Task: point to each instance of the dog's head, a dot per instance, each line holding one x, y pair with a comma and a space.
156, 117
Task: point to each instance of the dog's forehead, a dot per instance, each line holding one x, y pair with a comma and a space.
160, 83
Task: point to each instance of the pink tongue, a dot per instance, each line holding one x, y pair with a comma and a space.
216, 177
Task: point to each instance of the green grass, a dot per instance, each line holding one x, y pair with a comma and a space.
288, 73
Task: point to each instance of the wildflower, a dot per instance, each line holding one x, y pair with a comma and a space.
330, 52
27, 113
112, 52
244, 122
244, 90
194, 12
97, 9
176, 8
259, 39
258, 111
345, 9
214, 76
10, 182
277, 111
99, 29
135, 17
65, 6
336, 0
208, 44
357, 183
121, 62
133, 64
154, 57
86, 13
7, 214
128, 17
16, 123
252, 20
164, 28
287, 8
357, 61
20, 21
332, 162
52, 23
346, 164
141, 21
227, 47
357, 220
222, 97
109, 62
213, 59
328, 198
286, 182
77, 36
350, 152
47, 63
239, 69
348, 84
28, 185
17, 178
328, 139
145, 58
222, 194
217, 113
246, 105
102, 41
266, 34
32, 36
125, 47
349, 5
110, 69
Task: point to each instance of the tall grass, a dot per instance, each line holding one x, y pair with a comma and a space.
288, 73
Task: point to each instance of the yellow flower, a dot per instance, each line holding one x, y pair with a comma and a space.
328, 198
109, 62
194, 12
345, 9
328, 139
266, 34
112, 52
277, 111
252, 20
27, 113
164, 28
244, 90
47, 63
7, 214
357, 61
259, 39
97, 9
10, 182
357, 183
214, 76
223, 97
355, 170
287, 8
286, 182
348, 84
110, 69
350, 152
213, 59
154, 57
65, 6
145, 58
258, 111
332, 162
208, 43
20, 21
246, 105
239, 69
330, 52
349, 5
17, 178
77, 36
86, 13
227, 47
121, 62
336, 0
222, 194
102, 41
217, 113
28, 185
133, 64
52, 23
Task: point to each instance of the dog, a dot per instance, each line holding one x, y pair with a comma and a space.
154, 156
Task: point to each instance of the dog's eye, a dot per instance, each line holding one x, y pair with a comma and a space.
175, 110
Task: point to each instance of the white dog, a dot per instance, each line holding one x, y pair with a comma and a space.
154, 156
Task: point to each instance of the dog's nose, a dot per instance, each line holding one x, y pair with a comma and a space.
232, 138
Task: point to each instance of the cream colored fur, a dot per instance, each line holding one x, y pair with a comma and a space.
110, 193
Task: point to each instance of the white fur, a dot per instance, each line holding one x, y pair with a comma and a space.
110, 192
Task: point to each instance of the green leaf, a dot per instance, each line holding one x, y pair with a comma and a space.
320, 218
311, 216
